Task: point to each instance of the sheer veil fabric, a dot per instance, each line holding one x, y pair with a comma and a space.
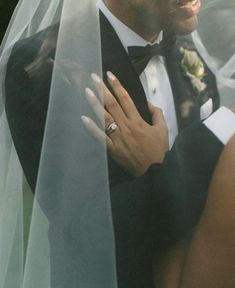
72, 191
72, 194
214, 40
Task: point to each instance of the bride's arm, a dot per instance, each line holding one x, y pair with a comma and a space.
198, 261
208, 258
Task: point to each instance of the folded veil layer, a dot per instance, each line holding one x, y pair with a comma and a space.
71, 240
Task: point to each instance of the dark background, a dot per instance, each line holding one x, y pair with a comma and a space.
6, 10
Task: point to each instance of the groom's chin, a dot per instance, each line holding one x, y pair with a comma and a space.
186, 26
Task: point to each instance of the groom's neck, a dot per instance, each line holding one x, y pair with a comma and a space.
135, 18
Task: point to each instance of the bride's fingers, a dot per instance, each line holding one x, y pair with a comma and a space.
95, 104
96, 132
233, 108
122, 96
101, 113
110, 102
157, 114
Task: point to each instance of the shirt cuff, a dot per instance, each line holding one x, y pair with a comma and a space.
222, 124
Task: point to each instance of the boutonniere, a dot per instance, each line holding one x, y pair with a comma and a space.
193, 68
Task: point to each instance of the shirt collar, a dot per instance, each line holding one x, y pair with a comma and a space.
127, 36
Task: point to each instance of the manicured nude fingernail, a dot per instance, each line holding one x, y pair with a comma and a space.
111, 76
85, 119
96, 78
89, 93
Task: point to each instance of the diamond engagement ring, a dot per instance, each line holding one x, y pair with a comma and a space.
111, 128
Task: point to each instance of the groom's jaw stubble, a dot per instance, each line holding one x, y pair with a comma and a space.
179, 16
137, 15
148, 18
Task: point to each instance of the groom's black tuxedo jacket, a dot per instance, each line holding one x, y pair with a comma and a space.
154, 211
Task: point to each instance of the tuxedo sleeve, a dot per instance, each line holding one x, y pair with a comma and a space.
180, 187
153, 212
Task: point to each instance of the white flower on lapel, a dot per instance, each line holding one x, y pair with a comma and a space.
193, 67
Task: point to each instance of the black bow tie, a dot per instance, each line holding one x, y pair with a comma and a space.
140, 56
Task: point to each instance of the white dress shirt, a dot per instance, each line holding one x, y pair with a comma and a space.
157, 87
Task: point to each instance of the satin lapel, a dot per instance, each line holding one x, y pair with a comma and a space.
184, 96
116, 60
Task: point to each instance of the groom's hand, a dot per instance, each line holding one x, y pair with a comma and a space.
131, 142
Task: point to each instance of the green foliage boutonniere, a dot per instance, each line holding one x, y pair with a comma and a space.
193, 67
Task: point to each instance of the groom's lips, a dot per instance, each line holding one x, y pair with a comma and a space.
188, 8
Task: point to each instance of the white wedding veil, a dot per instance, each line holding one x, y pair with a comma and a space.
215, 40
70, 242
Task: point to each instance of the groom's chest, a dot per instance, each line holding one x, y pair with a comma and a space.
158, 91
164, 83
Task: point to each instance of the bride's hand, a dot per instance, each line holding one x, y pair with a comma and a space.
131, 142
